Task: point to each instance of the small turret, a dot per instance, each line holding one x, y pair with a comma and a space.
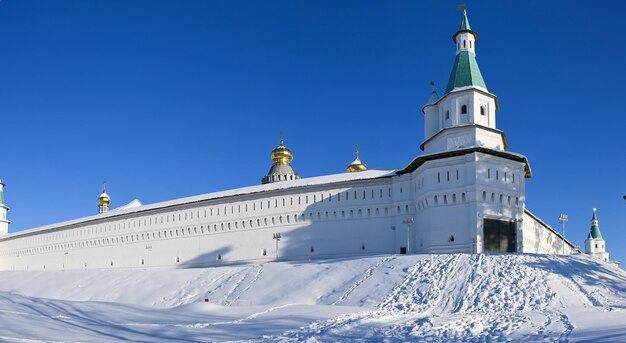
4, 223
431, 118
595, 244
281, 165
104, 201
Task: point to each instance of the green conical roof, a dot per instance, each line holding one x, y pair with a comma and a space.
465, 72
594, 231
465, 26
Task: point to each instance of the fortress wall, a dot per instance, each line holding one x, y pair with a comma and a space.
540, 238
348, 218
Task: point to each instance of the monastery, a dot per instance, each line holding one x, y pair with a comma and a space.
464, 194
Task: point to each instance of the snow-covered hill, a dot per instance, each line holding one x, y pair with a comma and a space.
437, 298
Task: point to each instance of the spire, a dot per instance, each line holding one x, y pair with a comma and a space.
465, 72
356, 165
594, 231
465, 26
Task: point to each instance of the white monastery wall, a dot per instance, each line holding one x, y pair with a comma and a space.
540, 238
326, 220
447, 199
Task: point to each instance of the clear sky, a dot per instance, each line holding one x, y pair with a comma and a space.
168, 99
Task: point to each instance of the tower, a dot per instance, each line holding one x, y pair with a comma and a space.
356, 165
281, 165
465, 116
103, 200
595, 244
469, 193
4, 223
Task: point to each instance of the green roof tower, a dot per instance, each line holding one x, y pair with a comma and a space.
465, 115
465, 72
595, 245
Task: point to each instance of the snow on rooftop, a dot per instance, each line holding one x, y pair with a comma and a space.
134, 207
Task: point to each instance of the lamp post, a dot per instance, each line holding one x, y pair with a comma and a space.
409, 221
563, 220
277, 239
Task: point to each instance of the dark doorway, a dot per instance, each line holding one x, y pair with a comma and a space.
402, 250
499, 236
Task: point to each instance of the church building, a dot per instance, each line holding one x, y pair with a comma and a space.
465, 193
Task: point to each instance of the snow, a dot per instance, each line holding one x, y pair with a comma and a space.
435, 298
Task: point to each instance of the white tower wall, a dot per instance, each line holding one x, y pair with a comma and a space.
465, 41
4, 222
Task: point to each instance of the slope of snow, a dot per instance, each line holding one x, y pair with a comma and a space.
436, 298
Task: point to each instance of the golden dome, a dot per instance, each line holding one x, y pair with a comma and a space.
104, 200
356, 165
282, 155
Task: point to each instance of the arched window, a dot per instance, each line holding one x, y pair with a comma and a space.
464, 109
482, 110
464, 43
447, 115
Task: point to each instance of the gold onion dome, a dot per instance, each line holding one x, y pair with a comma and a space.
281, 165
282, 155
356, 165
104, 199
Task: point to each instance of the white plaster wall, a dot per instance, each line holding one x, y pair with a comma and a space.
464, 137
347, 219
455, 194
431, 121
596, 247
469, 40
539, 238
445, 197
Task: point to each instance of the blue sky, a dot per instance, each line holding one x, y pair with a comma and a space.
176, 98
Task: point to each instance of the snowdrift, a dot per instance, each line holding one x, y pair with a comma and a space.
436, 298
